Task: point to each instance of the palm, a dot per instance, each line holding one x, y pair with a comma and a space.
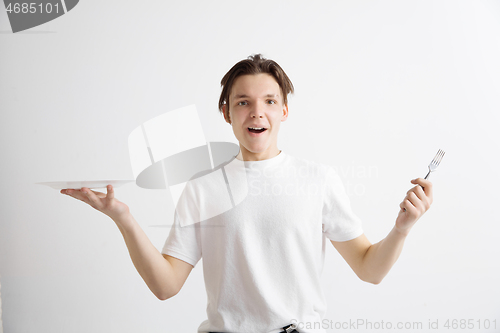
105, 203
113, 207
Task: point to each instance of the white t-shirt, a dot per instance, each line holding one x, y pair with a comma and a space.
263, 256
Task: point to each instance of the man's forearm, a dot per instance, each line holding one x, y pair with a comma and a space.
380, 257
155, 270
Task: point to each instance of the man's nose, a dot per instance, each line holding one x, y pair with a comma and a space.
257, 111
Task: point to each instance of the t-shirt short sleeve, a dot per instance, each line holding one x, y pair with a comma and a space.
339, 221
184, 242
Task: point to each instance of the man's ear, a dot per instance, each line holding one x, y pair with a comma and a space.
285, 113
224, 113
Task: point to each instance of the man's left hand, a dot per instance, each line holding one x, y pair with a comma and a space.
417, 201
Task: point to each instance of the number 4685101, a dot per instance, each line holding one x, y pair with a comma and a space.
32, 8
470, 324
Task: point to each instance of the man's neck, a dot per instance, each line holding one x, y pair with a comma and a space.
257, 157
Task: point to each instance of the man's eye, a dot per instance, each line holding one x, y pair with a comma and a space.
242, 103
271, 101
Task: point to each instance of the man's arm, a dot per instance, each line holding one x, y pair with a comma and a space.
372, 262
163, 274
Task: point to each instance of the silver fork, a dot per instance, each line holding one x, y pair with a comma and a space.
435, 162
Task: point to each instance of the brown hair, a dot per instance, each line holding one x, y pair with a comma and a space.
254, 64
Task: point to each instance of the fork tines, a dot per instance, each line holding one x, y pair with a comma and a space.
439, 156
435, 162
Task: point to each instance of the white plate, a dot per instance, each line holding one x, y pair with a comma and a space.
85, 183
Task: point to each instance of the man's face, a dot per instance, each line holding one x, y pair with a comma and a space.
255, 101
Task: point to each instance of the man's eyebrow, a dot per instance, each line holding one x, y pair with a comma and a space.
246, 96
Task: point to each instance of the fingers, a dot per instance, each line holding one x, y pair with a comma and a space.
423, 194
77, 194
90, 197
413, 205
93, 199
419, 192
111, 192
426, 184
416, 202
419, 198
409, 207
86, 195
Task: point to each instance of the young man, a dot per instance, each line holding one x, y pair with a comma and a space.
263, 257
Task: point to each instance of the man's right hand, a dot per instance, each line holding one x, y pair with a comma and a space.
105, 203
164, 275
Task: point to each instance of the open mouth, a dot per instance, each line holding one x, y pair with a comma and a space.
256, 130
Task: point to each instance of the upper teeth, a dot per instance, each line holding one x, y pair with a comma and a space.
256, 128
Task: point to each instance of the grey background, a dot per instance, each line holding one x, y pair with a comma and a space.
380, 87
